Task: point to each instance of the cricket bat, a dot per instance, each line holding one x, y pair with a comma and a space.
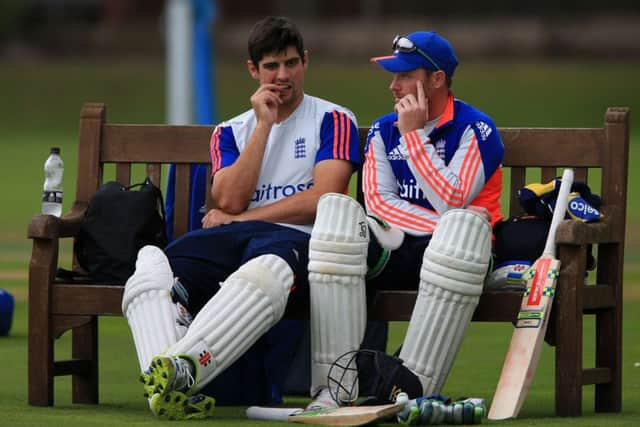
343, 416
526, 343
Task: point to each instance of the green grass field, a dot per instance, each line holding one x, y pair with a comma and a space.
40, 109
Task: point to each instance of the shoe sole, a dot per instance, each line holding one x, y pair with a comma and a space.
176, 405
157, 378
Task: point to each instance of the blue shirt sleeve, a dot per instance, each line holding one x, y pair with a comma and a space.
339, 138
490, 144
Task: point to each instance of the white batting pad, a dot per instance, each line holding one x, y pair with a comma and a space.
247, 305
451, 278
337, 266
148, 307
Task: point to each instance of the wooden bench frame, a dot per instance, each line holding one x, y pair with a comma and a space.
56, 306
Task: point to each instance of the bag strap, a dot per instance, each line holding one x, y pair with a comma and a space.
147, 184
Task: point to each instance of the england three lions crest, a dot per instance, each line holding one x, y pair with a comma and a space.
300, 148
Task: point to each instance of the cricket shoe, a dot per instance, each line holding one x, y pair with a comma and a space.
176, 405
322, 401
167, 374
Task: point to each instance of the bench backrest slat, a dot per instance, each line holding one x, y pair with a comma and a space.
155, 143
552, 147
208, 199
154, 172
181, 206
581, 174
518, 180
123, 173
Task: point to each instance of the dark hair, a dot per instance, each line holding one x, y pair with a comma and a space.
274, 35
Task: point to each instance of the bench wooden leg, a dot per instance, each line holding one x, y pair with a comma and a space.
40, 353
40, 361
84, 346
608, 396
568, 331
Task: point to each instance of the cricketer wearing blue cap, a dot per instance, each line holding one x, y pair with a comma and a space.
430, 167
433, 153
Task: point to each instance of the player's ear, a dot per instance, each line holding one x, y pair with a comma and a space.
438, 79
253, 69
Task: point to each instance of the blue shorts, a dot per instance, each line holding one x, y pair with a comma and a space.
202, 259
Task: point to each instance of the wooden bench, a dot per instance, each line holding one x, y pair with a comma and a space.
56, 306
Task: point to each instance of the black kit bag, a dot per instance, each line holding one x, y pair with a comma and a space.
119, 222
520, 238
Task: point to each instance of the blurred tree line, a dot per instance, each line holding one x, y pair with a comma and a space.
23, 15
58, 27
412, 8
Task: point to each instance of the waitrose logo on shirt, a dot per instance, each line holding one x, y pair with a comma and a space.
275, 192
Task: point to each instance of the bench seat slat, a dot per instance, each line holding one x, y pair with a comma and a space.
494, 306
86, 299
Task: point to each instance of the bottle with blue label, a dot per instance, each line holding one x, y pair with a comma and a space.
52, 189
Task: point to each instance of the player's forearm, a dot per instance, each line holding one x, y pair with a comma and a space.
400, 213
297, 209
235, 185
382, 194
445, 186
329, 176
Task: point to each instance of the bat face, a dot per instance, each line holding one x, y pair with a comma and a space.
540, 289
526, 343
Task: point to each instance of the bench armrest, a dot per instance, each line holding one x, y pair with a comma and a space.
52, 227
572, 232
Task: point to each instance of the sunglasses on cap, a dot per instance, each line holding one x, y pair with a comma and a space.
403, 44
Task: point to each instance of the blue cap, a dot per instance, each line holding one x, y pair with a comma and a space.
432, 44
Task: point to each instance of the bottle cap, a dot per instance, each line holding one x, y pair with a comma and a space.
55, 150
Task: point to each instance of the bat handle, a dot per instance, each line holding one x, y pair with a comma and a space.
559, 211
271, 414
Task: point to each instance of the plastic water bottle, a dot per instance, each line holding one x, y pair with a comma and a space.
52, 192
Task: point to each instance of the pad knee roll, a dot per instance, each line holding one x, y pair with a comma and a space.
339, 238
451, 278
248, 304
337, 266
148, 307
